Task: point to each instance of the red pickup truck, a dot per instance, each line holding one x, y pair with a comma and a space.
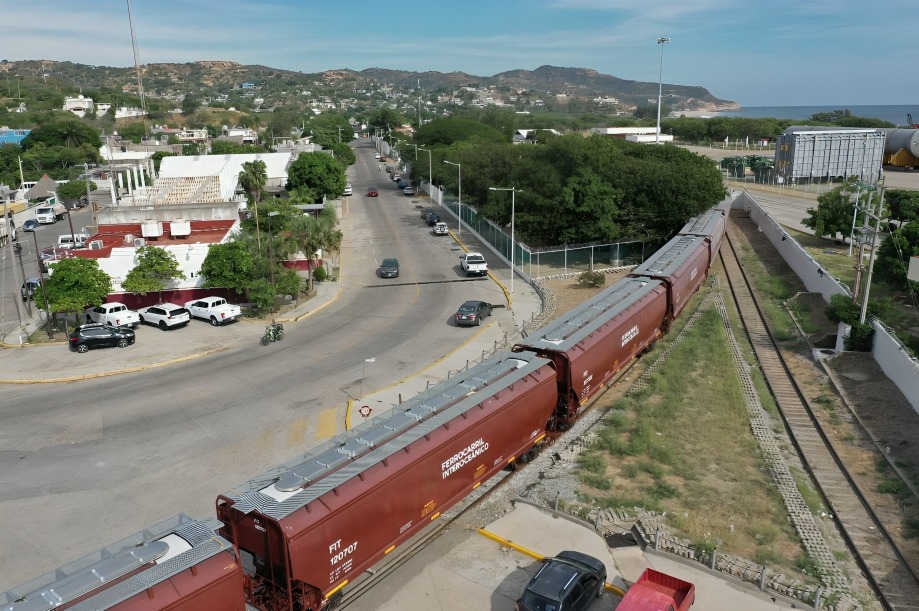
656, 591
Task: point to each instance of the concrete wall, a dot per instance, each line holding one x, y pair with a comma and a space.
889, 353
896, 362
814, 277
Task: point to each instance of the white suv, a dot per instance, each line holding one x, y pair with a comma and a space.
348, 190
164, 315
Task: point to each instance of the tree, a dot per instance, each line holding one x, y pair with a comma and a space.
76, 283
158, 159
227, 147
75, 189
445, 132
308, 234
903, 205
894, 254
319, 172
190, 104
228, 265
252, 179
384, 118
343, 153
834, 211
70, 133
155, 268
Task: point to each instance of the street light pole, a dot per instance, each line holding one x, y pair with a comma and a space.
660, 88
514, 192
430, 167
459, 167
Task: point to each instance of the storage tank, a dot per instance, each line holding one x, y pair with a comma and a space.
901, 139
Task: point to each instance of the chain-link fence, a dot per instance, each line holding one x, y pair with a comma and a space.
558, 260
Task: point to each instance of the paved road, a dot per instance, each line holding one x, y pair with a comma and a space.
83, 464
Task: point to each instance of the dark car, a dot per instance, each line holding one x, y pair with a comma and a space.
97, 335
425, 211
432, 218
389, 268
372, 192
30, 225
29, 288
569, 582
472, 313
401, 184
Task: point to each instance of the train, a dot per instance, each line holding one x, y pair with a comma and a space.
295, 537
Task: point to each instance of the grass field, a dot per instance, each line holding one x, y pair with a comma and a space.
683, 446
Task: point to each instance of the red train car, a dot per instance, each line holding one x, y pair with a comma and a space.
710, 225
596, 340
180, 565
305, 530
682, 264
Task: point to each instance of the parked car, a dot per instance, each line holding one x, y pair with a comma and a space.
372, 192
432, 218
97, 335
382, 157
29, 288
409, 190
401, 184
113, 313
389, 268
425, 211
396, 177
472, 313
348, 189
376, 155
30, 225
569, 582
389, 169
164, 315
213, 309
440, 229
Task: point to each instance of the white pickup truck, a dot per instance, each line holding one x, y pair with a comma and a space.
113, 313
214, 309
473, 264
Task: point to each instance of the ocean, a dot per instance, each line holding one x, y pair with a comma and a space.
893, 113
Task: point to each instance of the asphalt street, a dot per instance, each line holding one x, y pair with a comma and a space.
86, 463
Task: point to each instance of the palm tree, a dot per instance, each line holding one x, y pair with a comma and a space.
252, 179
308, 233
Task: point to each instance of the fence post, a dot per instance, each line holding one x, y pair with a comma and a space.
818, 595
762, 580
657, 539
714, 557
557, 495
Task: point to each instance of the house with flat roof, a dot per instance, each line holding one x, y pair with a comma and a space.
12, 136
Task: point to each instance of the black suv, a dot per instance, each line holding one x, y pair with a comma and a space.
97, 335
569, 582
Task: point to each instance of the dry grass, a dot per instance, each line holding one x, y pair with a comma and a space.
683, 446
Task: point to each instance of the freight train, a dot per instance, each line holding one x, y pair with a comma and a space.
295, 537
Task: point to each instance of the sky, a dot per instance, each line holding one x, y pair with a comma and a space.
835, 53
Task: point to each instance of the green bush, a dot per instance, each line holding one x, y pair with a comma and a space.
320, 275
591, 279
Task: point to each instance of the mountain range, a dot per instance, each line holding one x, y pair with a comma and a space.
169, 80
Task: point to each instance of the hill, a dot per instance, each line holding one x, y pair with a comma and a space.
211, 77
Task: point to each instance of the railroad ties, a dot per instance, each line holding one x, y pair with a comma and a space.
876, 552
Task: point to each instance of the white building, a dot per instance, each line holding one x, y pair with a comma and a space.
79, 105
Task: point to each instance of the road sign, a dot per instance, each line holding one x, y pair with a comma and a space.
365, 410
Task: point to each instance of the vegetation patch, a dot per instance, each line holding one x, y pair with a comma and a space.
683, 446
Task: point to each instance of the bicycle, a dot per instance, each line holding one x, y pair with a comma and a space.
273, 333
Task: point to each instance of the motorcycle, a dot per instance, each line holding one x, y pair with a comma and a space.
273, 333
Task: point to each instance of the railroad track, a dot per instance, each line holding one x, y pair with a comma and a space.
885, 567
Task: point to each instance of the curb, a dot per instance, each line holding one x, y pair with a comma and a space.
300, 317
